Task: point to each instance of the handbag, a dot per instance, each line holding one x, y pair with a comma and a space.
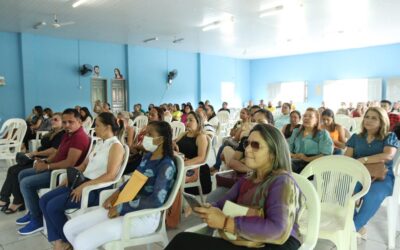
75, 178
228, 179
22, 159
377, 170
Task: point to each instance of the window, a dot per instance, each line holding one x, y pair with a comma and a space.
393, 89
287, 91
228, 94
351, 90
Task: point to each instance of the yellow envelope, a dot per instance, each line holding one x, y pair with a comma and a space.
132, 188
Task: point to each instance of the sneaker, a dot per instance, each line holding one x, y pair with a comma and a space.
362, 235
24, 219
33, 227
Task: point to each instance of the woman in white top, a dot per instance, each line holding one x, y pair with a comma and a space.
127, 132
86, 118
103, 165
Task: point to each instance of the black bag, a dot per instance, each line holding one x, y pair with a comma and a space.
22, 159
205, 181
75, 178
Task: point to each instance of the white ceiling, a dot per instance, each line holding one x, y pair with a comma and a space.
319, 25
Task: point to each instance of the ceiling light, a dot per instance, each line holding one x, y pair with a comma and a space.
178, 40
78, 3
150, 39
218, 24
39, 24
271, 11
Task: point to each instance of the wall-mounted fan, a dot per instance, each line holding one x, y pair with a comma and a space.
171, 75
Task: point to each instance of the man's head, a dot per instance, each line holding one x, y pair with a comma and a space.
106, 107
96, 69
71, 120
386, 105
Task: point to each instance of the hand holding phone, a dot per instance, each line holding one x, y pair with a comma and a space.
192, 201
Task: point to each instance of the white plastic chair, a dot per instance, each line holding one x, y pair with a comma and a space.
140, 121
168, 118
14, 131
313, 208
35, 143
160, 235
392, 203
335, 178
177, 129
194, 167
346, 121
358, 121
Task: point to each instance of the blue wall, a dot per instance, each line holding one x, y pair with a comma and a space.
43, 71
12, 94
380, 61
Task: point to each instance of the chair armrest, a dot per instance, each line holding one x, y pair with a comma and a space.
192, 167
54, 176
105, 194
86, 191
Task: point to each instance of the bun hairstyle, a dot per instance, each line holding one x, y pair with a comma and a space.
164, 129
109, 119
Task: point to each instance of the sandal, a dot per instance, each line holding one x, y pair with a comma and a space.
12, 211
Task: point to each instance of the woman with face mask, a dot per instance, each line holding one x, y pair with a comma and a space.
83, 231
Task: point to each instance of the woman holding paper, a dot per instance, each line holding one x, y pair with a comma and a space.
270, 196
102, 166
83, 231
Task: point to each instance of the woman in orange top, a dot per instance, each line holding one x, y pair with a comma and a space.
336, 131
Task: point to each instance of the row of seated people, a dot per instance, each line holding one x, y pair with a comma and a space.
384, 145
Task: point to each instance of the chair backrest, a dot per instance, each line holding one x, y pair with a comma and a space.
40, 134
168, 118
313, 209
124, 163
223, 116
177, 129
140, 121
180, 165
14, 129
346, 121
335, 178
358, 121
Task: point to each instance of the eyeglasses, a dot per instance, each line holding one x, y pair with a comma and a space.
255, 145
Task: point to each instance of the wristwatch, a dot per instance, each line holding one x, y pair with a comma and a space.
365, 159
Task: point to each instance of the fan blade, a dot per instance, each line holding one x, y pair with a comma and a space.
66, 23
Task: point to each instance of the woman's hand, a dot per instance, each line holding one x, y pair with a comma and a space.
76, 194
108, 203
213, 216
112, 212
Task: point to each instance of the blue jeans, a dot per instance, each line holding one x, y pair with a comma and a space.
54, 204
30, 182
372, 201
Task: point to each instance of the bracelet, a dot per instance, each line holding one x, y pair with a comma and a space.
225, 223
48, 166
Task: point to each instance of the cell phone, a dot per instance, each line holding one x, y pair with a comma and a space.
191, 199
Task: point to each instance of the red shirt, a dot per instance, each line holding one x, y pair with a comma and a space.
78, 140
394, 119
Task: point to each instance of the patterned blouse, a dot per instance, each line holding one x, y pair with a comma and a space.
161, 177
281, 201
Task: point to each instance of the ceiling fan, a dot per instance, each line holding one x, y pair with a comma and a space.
55, 24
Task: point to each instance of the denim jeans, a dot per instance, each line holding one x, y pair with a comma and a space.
30, 182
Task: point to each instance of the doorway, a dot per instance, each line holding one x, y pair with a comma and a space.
99, 90
119, 96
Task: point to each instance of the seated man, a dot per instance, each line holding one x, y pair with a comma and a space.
394, 118
71, 152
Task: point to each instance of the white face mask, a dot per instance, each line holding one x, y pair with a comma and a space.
148, 144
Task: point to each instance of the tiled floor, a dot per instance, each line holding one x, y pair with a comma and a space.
10, 240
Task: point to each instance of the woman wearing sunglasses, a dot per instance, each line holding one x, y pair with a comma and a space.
309, 142
270, 189
49, 145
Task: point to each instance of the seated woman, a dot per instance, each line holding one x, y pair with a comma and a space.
83, 231
126, 133
102, 166
137, 149
193, 144
336, 131
50, 143
186, 110
271, 183
212, 117
295, 117
373, 145
176, 113
36, 123
87, 118
283, 118
309, 142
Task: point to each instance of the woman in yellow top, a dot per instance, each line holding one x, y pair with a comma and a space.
336, 131
176, 113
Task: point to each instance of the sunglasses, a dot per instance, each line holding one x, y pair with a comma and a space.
255, 145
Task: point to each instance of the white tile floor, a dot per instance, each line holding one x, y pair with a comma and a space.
10, 240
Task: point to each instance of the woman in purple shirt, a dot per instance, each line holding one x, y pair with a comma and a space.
270, 188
